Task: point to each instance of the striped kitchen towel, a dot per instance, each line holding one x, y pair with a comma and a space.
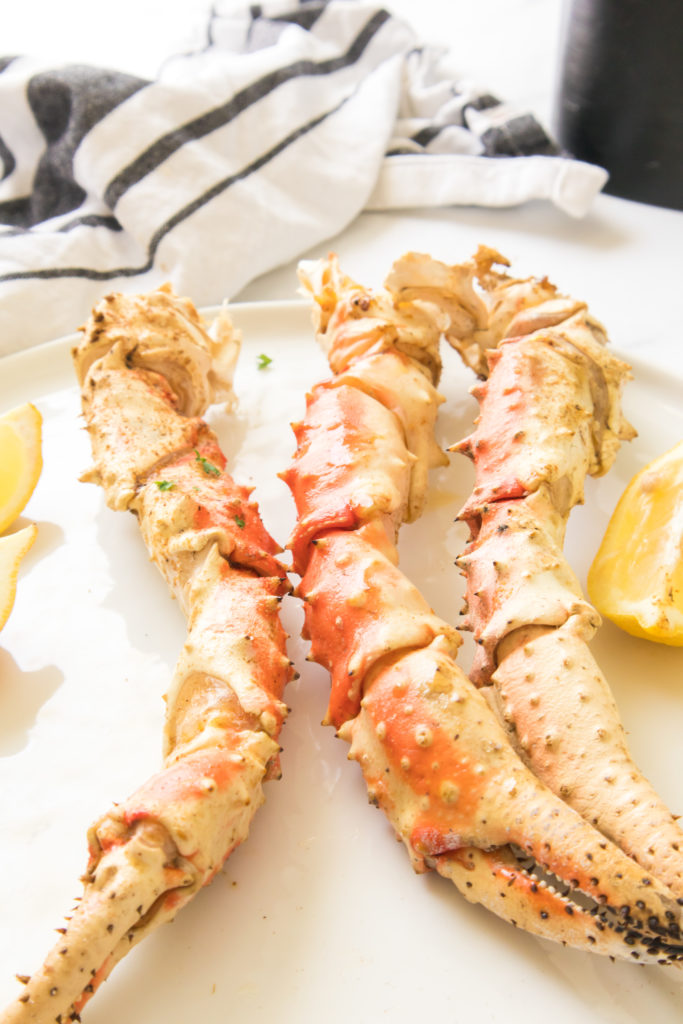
240, 156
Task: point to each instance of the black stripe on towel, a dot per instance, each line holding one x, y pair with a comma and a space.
88, 220
305, 17
91, 274
168, 144
7, 159
520, 136
66, 104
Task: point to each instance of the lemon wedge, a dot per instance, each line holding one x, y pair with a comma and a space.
20, 460
636, 579
13, 547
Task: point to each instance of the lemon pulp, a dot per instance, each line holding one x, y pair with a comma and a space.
13, 547
636, 579
20, 460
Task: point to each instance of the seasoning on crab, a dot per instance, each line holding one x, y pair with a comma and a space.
148, 369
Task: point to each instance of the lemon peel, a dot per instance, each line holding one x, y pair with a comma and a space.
13, 547
21, 460
636, 578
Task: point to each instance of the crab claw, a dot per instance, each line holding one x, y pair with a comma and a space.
497, 880
439, 764
146, 863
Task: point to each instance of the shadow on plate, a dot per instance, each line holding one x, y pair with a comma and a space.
22, 695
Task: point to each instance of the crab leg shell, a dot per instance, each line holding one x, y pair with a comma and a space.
194, 510
473, 323
359, 608
404, 388
495, 879
550, 414
441, 768
433, 754
150, 854
136, 875
616, 797
209, 792
522, 440
233, 622
351, 322
518, 541
144, 867
164, 334
334, 479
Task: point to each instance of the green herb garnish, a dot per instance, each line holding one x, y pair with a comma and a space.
165, 485
207, 466
239, 521
263, 361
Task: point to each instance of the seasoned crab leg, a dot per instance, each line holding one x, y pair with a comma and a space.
146, 367
550, 414
433, 754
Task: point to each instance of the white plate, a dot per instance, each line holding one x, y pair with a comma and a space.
318, 916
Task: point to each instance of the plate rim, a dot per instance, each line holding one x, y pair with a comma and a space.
638, 365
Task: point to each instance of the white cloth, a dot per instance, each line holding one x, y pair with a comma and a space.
240, 156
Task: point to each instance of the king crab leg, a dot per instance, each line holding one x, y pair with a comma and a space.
148, 370
550, 414
434, 756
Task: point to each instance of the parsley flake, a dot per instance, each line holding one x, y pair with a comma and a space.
165, 485
239, 521
263, 361
207, 466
